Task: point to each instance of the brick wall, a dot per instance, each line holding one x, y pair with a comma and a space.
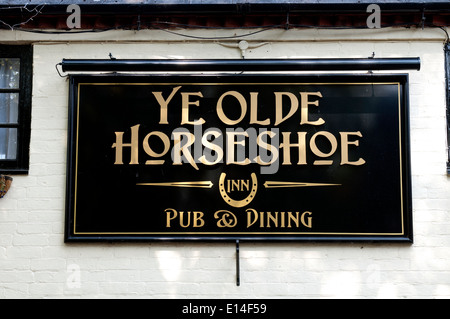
35, 262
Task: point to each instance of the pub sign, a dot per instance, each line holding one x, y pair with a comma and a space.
249, 157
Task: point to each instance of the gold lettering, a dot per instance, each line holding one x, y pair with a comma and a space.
278, 219
119, 145
231, 142
293, 218
309, 222
344, 148
169, 216
213, 147
245, 184
198, 219
282, 219
227, 219
279, 107
184, 221
235, 183
268, 147
152, 153
301, 145
185, 108
304, 108
164, 104
238, 185
318, 152
250, 220
242, 103
272, 218
254, 110
178, 149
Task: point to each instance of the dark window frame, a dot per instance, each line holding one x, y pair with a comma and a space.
20, 165
447, 89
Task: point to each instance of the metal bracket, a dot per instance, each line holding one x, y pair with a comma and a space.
238, 266
423, 18
371, 57
243, 46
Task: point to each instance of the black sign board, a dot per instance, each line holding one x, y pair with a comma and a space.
249, 157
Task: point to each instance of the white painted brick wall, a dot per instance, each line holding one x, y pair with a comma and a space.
35, 263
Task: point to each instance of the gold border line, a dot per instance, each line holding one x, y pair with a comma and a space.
76, 161
247, 83
401, 158
237, 233
241, 233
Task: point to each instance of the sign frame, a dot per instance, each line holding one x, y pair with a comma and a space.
406, 236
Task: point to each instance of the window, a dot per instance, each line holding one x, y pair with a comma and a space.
15, 108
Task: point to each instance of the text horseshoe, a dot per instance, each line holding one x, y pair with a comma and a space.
238, 203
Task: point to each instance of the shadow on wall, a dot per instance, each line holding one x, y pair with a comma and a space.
288, 270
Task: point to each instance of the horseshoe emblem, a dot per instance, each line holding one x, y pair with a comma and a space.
238, 203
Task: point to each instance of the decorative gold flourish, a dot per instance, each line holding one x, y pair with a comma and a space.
238, 203
273, 184
200, 184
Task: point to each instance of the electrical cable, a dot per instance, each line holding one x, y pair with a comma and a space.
37, 9
263, 29
448, 38
158, 25
215, 38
